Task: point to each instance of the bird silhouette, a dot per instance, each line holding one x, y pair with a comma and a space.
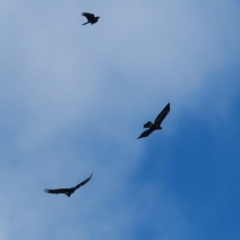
156, 125
67, 191
90, 17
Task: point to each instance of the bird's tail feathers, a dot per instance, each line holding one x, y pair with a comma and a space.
147, 125
86, 23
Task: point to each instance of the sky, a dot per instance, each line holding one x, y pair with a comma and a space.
74, 99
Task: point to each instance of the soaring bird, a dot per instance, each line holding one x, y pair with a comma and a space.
156, 125
90, 17
67, 191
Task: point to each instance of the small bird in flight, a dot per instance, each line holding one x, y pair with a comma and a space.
67, 191
90, 17
156, 125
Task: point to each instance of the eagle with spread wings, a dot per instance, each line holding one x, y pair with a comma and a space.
156, 125
68, 191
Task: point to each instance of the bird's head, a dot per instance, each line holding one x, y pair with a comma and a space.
68, 194
158, 128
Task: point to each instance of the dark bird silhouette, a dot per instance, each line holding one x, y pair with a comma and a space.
156, 125
67, 191
90, 17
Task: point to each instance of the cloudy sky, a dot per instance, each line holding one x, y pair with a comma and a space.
74, 99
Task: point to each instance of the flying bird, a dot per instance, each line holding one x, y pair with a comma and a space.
67, 191
156, 125
90, 17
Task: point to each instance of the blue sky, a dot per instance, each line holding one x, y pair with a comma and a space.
74, 99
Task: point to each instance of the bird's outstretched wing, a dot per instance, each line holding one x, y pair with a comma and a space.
146, 133
162, 114
57, 191
83, 182
89, 16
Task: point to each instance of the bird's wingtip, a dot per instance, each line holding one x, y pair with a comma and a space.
168, 106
